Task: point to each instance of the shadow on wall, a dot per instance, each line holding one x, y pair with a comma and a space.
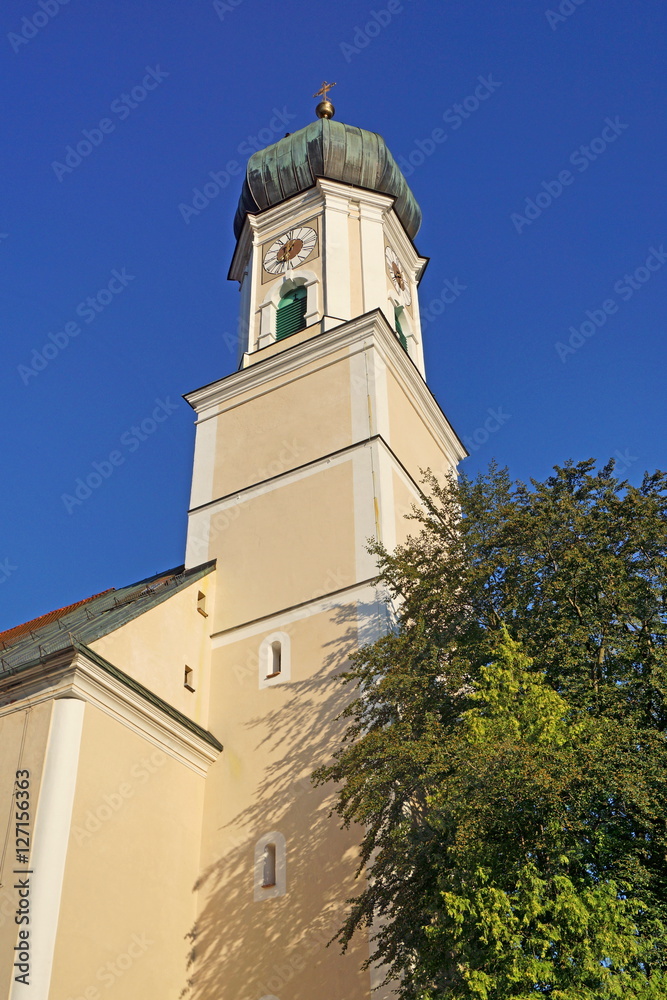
246, 949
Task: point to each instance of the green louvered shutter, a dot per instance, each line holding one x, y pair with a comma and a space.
291, 313
399, 331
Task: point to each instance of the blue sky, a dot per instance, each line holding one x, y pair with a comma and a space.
533, 134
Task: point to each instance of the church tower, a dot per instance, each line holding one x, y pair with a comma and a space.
312, 448
162, 837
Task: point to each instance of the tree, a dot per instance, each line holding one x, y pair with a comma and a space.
505, 751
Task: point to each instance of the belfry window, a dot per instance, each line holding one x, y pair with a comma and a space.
399, 329
291, 314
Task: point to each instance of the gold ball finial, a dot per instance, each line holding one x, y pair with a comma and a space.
325, 108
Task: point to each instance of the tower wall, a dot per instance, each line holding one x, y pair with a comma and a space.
302, 457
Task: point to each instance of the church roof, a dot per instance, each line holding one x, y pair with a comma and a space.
11, 635
93, 617
329, 149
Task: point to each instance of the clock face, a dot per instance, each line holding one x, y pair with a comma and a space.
397, 275
290, 250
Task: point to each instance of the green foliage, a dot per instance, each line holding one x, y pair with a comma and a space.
506, 752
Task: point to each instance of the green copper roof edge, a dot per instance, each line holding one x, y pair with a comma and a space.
329, 149
107, 619
149, 695
148, 602
126, 680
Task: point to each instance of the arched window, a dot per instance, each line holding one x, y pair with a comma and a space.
274, 660
270, 869
399, 329
291, 314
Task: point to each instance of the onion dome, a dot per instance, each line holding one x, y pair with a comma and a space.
330, 149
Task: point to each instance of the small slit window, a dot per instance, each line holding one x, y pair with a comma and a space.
189, 679
275, 658
291, 313
201, 604
269, 867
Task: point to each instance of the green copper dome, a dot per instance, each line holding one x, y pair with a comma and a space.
329, 149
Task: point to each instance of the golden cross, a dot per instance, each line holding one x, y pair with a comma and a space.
324, 90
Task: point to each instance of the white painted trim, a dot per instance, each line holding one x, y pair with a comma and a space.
50, 840
336, 253
384, 464
282, 479
367, 332
236, 500
204, 463
74, 676
360, 395
363, 592
373, 266
377, 388
366, 510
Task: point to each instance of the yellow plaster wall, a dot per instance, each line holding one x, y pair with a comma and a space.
285, 545
283, 426
412, 439
155, 648
274, 738
404, 498
132, 863
12, 730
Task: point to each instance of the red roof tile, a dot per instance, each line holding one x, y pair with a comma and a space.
18, 631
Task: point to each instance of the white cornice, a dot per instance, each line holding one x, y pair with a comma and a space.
404, 245
259, 227
365, 592
368, 331
71, 674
